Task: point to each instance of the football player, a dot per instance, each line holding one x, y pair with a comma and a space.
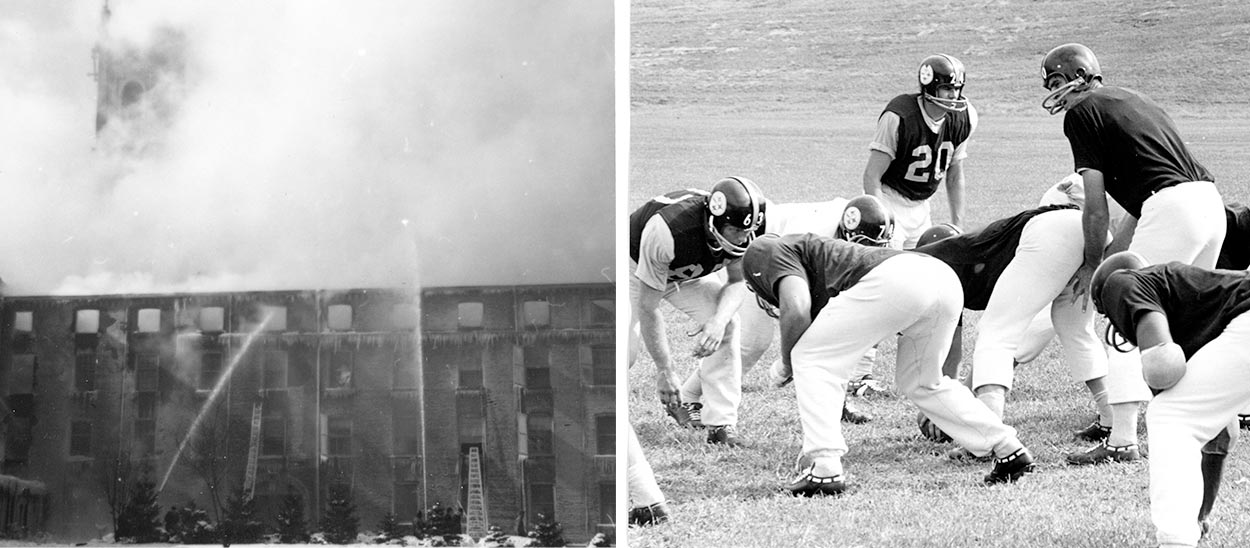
1192, 327
1013, 269
920, 143
648, 506
1125, 146
834, 300
677, 241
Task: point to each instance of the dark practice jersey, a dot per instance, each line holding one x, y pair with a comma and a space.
1198, 303
1235, 253
685, 214
980, 257
1133, 142
829, 266
921, 156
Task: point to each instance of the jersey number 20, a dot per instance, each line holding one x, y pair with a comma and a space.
923, 167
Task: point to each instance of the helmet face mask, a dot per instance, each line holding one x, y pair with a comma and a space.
866, 221
939, 73
736, 204
1068, 71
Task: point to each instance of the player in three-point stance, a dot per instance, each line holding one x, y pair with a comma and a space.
1013, 269
1193, 330
920, 143
834, 300
1125, 146
677, 241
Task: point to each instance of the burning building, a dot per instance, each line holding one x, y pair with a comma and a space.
499, 400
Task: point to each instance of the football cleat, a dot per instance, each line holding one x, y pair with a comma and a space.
929, 430
1009, 468
1103, 453
724, 435
643, 516
809, 484
964, 455
1095, 432
854, 416
779, 374
687, 415
866, 386
1244, 421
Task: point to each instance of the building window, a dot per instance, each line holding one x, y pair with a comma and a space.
339, 436
84, 371
470, 315
538, 428
605, 435
276, 317
22, 375
147, 367
538, 377
602, 312
470, 378
80, 439
24, 321
406, 427
340, 370
210, 370
149, 320
145, 437
404, 316
607, 504
405, 368
542, 500
339, 317
212, 319
275, 369
470, 417
603, 365
87, 322
273, 435
536, 314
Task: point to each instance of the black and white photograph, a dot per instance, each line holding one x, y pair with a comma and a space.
937, 274
308, 273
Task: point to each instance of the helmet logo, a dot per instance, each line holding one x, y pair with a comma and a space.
851, 218
717, 203
926, 74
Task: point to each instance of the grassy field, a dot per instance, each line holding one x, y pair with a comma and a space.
786, 93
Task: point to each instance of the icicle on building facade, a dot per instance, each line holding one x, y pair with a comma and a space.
518, 379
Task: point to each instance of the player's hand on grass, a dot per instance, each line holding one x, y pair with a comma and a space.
667, 386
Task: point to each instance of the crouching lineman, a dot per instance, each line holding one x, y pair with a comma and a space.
676, 241
1193, 330
834, 300
1014, 269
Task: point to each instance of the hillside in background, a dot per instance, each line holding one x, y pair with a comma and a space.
843, 57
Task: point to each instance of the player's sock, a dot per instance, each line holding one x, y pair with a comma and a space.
863, 368
1098, 390
1123, 424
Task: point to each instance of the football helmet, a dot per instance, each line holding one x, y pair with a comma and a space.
866, 220
942, 70
937, 233
1068, 69
736, 202
1117, 261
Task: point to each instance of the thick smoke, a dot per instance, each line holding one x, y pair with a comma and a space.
310, 145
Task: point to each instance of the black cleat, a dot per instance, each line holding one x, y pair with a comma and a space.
808, 485
1103, 453
1009, 468
724, 435
687, 415
643, 516
1095, 432
854, 416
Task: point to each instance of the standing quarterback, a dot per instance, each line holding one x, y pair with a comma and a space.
676, 241
920, 143
1125, 146
834, 300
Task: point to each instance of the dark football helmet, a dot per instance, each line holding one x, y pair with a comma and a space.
1068, 69
942, 70
866, 220
736, 202
1117, 261
937, 233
